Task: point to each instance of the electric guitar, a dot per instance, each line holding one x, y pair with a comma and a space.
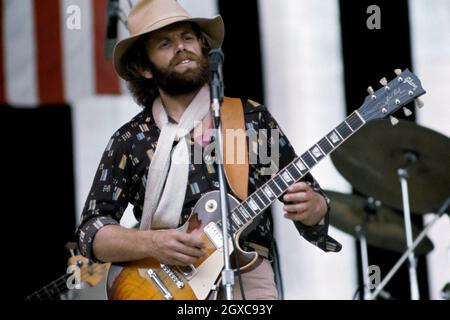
151, 280
91, 274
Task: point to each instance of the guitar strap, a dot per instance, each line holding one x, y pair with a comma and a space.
235, 146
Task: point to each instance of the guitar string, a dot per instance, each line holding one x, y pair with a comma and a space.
353, 121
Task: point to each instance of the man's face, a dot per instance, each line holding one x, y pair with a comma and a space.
176, 58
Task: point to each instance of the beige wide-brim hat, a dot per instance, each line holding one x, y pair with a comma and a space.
150, 15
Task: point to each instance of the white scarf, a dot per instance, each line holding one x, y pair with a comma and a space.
169, 168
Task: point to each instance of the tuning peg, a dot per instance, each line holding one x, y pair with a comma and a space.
398, 72
419, 103
394, 121
407, 112
384, 82
370, 90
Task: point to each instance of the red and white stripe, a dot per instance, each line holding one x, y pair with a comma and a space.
43, 62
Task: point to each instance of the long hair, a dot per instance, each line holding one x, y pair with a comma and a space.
135, 60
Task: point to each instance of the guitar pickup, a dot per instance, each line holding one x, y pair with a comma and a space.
214, 234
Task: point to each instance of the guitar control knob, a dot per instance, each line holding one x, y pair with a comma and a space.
211, 206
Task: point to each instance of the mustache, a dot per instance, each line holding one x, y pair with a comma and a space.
183, 56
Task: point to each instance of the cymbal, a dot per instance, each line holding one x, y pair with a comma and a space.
384, 228
370, 160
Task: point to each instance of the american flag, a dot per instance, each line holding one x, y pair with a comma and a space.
53, 52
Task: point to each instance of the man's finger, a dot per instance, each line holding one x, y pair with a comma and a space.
296, 197
296, 208
299, 186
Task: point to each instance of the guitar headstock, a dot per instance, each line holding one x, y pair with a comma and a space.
392, 96
90, 273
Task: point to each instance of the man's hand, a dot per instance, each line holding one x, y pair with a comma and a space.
304, 204
175, 247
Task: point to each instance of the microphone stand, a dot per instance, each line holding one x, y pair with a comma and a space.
408, 252
217, 93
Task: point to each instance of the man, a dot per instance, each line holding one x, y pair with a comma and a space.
165, 64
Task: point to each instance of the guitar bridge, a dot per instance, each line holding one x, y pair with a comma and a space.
187, 271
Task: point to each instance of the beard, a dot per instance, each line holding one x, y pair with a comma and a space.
176, 83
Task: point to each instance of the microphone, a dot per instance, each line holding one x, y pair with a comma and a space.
216, 58
111, 27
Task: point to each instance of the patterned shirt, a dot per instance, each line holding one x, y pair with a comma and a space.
122, 176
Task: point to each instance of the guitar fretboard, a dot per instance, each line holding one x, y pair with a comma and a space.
52, 291
262, 198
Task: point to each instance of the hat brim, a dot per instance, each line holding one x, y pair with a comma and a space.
213, 30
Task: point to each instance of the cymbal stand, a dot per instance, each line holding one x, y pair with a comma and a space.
444, 208
361, 235
410, 159
370, 208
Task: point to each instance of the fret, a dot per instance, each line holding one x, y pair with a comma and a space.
237, 210
317, 152
280, 182
260, 197
286, 177
360, 118
290, 174
335, 138
236, 220
268, 192
274, 182
258, 202
294, 172
253, 205
349, 126
54, 283
309, 152
47, 293
239, 216
307, 158
344, 130
232, 226
355, 121
247, 208
326, 145
301, 165
244, 211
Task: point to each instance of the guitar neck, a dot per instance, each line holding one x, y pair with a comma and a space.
51, 291
262, 198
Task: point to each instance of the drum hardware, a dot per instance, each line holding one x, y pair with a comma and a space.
374, 224
444, 209
410, 159
414, 155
